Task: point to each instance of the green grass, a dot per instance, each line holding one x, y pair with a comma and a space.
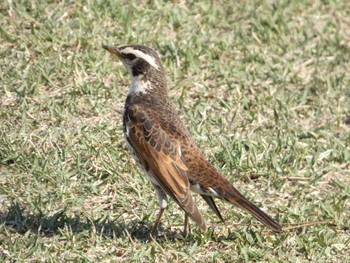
263, 87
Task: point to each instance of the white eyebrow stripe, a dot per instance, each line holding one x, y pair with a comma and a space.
149, 59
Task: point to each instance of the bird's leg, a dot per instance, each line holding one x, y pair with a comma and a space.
186, 225
163, 203
155, 226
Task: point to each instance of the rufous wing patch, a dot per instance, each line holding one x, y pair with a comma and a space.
162, 153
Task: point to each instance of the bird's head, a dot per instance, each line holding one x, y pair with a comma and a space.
138, 59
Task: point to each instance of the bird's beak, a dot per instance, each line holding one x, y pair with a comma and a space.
113, 50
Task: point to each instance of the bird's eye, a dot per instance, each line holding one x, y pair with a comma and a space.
130, 56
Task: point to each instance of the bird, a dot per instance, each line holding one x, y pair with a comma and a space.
163, 147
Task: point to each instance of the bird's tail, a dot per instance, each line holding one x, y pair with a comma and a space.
239, 200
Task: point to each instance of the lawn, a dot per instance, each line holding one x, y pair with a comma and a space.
264, 88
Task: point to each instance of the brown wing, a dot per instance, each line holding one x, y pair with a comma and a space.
160, 152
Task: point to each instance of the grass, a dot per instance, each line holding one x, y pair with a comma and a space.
263, 87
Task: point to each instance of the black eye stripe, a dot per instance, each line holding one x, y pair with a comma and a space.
130, 56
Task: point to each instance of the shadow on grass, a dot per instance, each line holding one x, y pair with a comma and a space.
22, 222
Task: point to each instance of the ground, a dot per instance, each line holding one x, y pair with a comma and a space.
264, 88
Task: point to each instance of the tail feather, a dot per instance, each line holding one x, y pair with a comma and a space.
210, 201
239, 200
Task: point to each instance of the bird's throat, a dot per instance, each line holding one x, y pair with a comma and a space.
139, 85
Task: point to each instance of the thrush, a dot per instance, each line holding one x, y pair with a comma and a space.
163, 147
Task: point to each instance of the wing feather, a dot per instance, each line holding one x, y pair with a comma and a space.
162, 153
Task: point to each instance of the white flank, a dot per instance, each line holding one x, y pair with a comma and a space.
149, 59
